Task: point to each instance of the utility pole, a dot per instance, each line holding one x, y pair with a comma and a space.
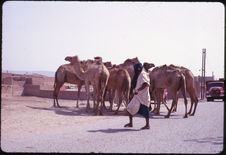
203, 80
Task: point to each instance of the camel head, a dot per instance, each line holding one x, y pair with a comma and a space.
72, 59
68, 58
147, 65
98, 59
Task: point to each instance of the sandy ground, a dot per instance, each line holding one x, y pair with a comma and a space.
31, 124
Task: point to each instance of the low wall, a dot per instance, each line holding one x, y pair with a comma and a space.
34, 90
69, 95
31, 90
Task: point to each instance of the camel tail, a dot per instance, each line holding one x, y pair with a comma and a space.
182, 84
54, 86
103, 83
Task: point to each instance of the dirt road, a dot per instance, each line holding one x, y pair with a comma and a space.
31, 124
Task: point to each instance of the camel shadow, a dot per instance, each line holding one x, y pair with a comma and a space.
162, 116
74, 111
113, 130
64, 110
212, 140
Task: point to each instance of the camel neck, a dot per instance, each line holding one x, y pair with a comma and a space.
79, 71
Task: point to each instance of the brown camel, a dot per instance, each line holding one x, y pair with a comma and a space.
85, 64
190, 86
128, 65
153, 95
119, 82
97, 75
165, 77
65, 73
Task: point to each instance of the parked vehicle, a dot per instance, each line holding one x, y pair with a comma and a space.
214, 90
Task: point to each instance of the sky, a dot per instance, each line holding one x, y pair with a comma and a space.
39, 35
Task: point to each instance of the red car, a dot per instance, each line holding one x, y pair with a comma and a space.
214, 90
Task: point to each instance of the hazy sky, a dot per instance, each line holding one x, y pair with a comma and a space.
39, 35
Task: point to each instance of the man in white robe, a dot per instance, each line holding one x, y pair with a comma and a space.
141, 100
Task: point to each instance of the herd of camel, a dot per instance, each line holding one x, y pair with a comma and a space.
116, 81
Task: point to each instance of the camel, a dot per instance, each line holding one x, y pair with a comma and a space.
190, 86
128, 65
165, 77
65, 74
119, 82
97, 75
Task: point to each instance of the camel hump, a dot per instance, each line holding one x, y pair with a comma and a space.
133, 60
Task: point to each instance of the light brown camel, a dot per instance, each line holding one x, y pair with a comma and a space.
190, 86
85, 64
97, 75
65, 73
119, 82
165, 77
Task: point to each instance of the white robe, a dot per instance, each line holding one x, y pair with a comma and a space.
143, 96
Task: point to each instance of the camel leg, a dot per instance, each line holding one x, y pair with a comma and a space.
164, 102
185, 103
111, 98
94, 97
192, 101
101, 97
98, 109
189, 112
196, 103
155, 101
97, 94
105, 92
87, 94
159, 97
101, 100
172, 105
120, 102
166, 106
57, 102
155, 105
100, 91
55, 95
150, 108
78, 95
175, 106
102, 104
